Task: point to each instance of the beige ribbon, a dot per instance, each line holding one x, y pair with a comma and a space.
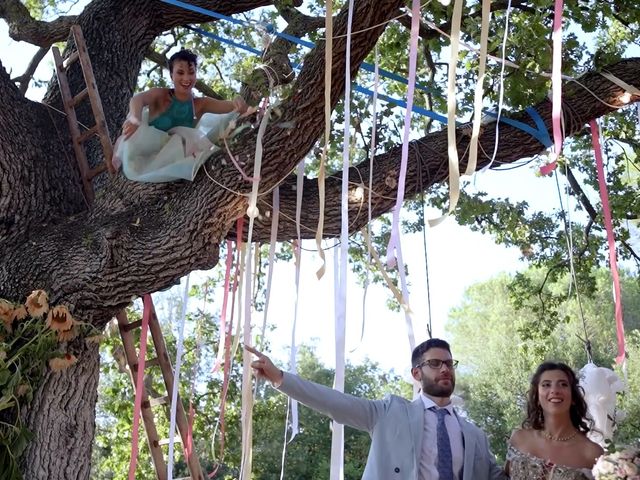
629, 88
454, 168
477, 105
376, 258
328, 65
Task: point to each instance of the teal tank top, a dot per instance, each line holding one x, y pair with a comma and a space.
179, 114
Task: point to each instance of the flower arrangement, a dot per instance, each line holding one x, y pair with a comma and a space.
33, 335
620, 465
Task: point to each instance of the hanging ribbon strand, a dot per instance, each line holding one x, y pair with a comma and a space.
336, 471
394, 241
328, 65
556, 81
139, 386
613, 262
228, 356
479, 92
454, 167
176, 378
275, 219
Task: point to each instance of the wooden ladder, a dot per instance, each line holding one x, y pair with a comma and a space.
70, 102
161, 360
87, 174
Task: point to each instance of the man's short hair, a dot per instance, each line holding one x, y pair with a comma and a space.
184, 55
419, 351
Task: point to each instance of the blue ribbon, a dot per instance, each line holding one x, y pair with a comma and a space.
358, 88
365, 66
540, 133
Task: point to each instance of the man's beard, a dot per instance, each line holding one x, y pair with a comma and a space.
434, 389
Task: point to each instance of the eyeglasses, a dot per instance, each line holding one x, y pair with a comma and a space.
437, 364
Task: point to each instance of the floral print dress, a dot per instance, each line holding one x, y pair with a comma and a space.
524, 466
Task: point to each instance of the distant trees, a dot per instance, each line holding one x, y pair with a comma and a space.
499, 347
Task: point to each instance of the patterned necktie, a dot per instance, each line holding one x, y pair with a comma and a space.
445, 459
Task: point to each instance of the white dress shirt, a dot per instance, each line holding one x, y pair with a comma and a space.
428, 457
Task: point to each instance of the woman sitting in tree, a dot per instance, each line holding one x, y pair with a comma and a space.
167, 134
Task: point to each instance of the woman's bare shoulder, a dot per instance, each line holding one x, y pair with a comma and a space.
590, 448
521, 437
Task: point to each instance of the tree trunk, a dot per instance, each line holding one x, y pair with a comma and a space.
62, 418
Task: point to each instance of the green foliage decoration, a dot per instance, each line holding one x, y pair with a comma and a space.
33, 336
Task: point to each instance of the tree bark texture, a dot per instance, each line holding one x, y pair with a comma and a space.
62, 417
138, 238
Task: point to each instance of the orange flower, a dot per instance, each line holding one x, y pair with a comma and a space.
60, 363
6, 314
19, 313
59, 319
68, 335
37, 303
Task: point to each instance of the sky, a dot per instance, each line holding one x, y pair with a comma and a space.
457, 258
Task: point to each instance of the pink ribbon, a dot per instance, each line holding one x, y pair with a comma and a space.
226, 376
223, 314
556, 77
606, 210
548, 168
137, 403
394, 241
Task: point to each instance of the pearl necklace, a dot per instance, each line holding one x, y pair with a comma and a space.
548, 436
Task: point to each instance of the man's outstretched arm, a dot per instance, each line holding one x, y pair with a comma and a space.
356, 412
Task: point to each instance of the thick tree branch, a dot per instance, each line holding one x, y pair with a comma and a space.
276, 64
141, 238
26, 77
429, 156
168, 16
24, 28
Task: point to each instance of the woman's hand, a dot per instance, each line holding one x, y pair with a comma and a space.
130, 126
239, 105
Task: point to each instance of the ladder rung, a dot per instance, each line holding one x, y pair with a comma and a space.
147, 364
72, 58
97, 170
130, 326
80, 97
151, 362
154, 402
86, 135
165, 441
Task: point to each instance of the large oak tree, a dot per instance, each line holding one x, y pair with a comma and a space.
137, 238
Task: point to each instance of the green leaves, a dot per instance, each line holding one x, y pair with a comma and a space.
497, 365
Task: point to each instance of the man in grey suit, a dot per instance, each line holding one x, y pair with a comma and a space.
420, 440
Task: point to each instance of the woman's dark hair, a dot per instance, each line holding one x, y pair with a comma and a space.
578, 410
184, 55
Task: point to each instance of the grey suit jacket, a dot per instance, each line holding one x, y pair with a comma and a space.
396, 428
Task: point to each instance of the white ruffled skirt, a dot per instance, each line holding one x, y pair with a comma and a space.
151, 155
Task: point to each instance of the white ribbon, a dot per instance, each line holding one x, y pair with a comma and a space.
176, 378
